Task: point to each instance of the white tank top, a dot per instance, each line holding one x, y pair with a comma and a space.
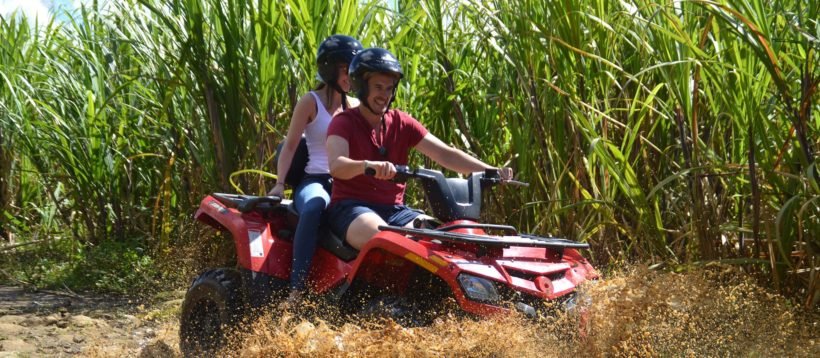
316, 136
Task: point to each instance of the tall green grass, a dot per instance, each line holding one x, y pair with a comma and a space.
674, 131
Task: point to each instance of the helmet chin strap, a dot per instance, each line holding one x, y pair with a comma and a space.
363, 99
335, 86
369, 108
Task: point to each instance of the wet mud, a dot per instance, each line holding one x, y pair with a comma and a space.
706, 313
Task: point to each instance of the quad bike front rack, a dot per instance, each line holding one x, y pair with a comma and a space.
525, 240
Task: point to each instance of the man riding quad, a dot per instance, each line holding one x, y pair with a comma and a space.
365, 144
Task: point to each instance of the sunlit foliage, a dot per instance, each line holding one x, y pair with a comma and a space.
671, 131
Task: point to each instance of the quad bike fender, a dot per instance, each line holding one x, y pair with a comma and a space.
437, 263
255, 244
407, 250
397, 245
389, 258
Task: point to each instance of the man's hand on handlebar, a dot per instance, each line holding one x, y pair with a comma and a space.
506, 176
506, 173
380, 170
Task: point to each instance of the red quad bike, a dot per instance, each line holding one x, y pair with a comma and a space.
408, 274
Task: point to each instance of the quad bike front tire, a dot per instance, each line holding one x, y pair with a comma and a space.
405, 311
426, 298
212, 307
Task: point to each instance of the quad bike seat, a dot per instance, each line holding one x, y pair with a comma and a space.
249, 203
327, 239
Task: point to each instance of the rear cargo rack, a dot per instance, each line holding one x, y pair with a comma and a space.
248, 203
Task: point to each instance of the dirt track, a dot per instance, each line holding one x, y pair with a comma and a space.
58, 324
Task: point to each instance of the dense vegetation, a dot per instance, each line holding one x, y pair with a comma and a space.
675, 132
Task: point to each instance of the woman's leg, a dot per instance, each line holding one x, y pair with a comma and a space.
311, 199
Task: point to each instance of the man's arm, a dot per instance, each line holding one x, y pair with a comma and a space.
342, 167
455, 159
449, 157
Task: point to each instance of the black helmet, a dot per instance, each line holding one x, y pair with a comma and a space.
371, 60
334, 50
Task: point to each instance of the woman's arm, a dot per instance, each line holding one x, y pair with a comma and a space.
303, 114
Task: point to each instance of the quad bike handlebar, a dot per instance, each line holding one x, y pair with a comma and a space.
452, 198
489, 178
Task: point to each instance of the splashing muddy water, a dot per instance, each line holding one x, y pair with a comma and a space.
637, 313
704, 313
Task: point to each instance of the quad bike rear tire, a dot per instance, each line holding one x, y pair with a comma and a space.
211, 309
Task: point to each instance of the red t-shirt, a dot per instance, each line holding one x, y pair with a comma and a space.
401, 133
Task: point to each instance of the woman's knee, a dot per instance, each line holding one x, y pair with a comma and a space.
313, 202
310, 188
313, 206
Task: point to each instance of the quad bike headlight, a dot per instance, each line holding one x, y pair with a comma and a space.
477, 288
